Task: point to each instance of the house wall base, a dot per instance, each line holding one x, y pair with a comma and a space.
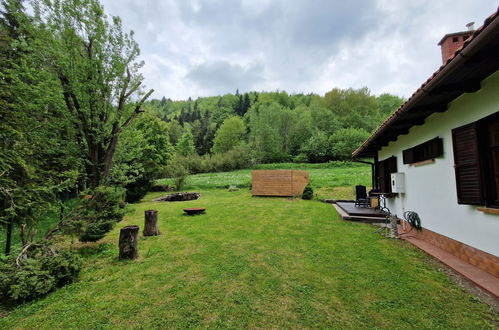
478, 258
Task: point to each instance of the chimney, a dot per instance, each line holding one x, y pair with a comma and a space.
453, 41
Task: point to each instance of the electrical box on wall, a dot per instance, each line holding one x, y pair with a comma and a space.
398, 182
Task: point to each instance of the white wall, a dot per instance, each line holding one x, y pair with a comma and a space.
431, 189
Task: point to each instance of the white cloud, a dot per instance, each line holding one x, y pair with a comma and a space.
200, 48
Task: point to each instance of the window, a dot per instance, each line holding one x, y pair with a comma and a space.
428, 150
384, 169
455, 39
476, 162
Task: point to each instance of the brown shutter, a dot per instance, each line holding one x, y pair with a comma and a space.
408, 156
435, 148
467, 165
385, 168
381, 176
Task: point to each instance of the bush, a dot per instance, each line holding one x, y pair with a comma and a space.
37, 275
237, 158
177, 171
160, 187
308, 192
136, 190
100, 213
300, 158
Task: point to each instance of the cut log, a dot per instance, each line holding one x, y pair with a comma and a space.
151, 223
128, 242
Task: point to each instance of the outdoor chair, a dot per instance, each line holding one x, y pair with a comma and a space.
361, 199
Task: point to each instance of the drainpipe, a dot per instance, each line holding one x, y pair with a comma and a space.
373, 175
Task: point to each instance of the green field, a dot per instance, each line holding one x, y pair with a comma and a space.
254, 262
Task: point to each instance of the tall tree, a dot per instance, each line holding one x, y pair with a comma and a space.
38, 153
229, 135
185, 145
96, 64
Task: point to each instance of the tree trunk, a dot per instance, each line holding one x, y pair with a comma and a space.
151, 223
128, 242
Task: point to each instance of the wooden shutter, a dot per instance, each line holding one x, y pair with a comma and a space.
408, 156
385, 168
435, 148
381, 176
467, 165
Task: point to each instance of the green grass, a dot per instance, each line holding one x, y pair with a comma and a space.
323, 177
259, 263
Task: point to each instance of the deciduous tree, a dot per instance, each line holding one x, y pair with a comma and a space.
96, 65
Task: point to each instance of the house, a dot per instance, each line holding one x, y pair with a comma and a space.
444, 144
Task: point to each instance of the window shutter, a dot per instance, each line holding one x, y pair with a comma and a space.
435, 148
392, 165
385, 168
467, 165
381, 176
408, 156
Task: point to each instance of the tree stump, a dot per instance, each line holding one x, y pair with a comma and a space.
128, 242
151, 223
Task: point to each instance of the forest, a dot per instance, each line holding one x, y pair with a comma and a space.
76, 120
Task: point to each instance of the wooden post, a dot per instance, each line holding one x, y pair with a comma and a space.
128, 242
151, 223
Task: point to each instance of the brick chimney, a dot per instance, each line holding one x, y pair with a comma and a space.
452, 41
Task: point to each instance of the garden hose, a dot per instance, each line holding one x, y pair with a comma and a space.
413, 219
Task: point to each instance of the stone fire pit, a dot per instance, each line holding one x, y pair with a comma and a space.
178, 197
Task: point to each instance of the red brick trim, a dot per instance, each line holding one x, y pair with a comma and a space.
478, 258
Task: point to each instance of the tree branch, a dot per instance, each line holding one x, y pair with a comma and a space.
136, 111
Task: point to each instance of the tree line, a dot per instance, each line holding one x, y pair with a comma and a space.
275, 126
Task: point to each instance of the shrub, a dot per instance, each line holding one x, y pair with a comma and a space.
300, 158
37, 275
100, 213
239, 157
177, 171
136, 190
160, 187
308, 192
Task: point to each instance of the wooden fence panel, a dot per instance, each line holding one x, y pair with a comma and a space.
278, 182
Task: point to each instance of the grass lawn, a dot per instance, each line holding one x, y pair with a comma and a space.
260, 263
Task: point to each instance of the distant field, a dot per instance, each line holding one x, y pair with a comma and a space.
327, 179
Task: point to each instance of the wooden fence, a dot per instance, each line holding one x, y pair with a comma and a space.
278, 182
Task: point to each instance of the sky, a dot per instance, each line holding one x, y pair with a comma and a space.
213, 47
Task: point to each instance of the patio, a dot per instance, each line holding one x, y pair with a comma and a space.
349, 211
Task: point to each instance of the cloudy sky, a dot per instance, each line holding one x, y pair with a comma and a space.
212, 47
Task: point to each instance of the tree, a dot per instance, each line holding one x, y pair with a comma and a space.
95, 62
185, 145
39, 155
229, 135
344, 141
318, 148
142, 155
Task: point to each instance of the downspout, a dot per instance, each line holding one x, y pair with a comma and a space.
373, 175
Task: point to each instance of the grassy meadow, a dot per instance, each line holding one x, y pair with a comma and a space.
254, 262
